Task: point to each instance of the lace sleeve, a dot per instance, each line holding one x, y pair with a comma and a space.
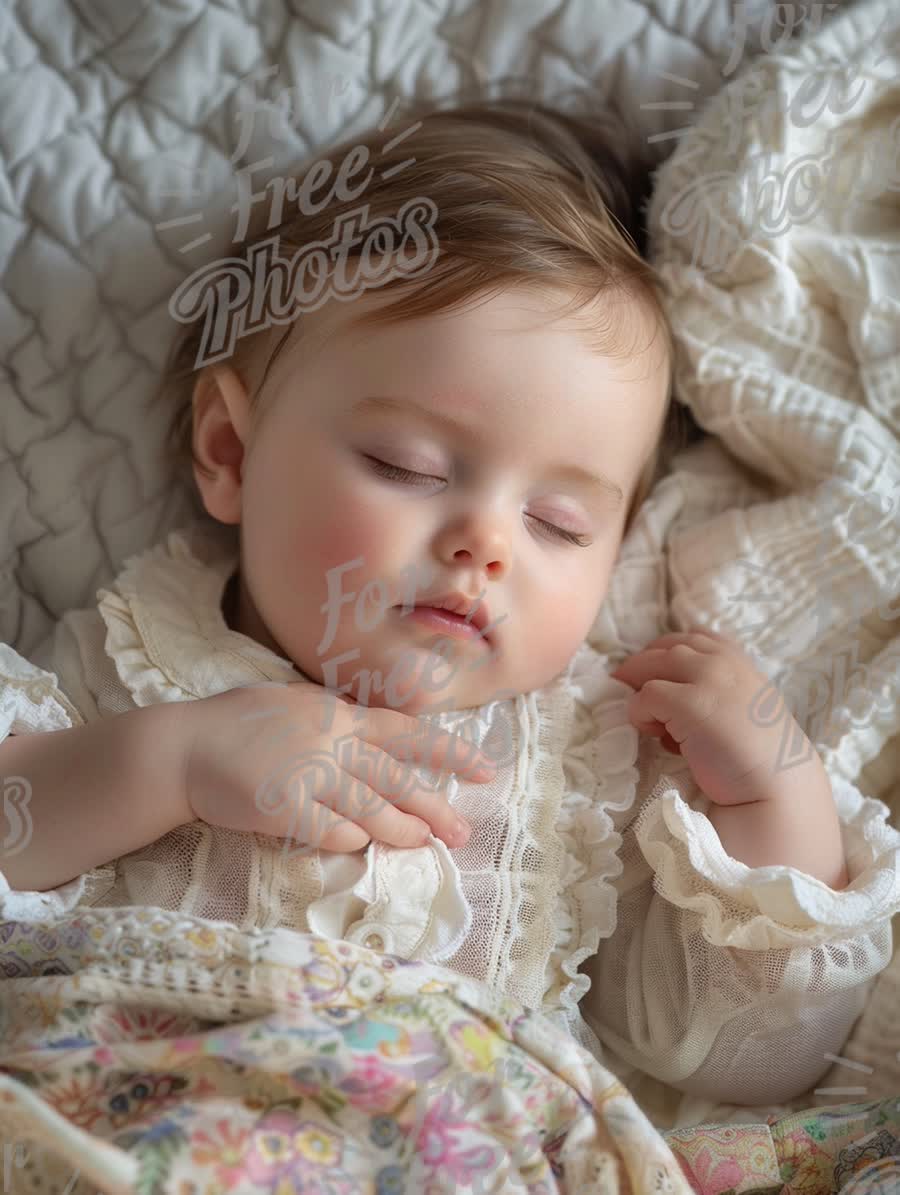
30, 702
733, 982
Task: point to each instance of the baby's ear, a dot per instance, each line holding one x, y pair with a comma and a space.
221, 424
223, 384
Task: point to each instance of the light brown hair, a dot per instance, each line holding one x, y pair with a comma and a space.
525, 195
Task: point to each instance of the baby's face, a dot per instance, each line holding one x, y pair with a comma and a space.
489, 453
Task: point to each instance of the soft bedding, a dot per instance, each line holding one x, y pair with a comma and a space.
124, 129
309, 1066
283, 1057
776, 234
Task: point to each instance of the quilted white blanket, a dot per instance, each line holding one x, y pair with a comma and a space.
123, 131
120, 129
775, 226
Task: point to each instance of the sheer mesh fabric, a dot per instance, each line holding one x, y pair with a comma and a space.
511, 865
597, 889
727, 1023
512, 874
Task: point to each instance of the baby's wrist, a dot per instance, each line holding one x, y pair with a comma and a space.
805, 781
163, 737
797, 826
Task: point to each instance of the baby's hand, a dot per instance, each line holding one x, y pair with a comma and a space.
297, 761
695, 690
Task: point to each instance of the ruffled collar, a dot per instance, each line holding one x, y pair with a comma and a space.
166, 629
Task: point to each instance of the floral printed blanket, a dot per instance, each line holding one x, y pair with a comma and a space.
146, 1052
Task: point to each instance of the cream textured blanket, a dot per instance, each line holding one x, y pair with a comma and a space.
775, 227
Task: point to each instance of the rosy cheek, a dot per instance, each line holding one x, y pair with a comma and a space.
347, 534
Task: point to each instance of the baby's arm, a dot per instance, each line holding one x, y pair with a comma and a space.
96, 792
736, 984
743, 947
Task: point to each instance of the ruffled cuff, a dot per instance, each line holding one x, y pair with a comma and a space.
30, 698
38, 906
765, 908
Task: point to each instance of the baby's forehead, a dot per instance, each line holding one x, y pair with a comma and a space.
621, 333
611, 321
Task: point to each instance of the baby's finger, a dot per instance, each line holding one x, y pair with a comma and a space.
308, 803
680, 708
697, 637
435, 749
405, 791
670, 744
307, 821
346, 838
680, 662
650, 726
358, 802
711, 634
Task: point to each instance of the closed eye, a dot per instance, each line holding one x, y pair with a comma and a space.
571, 537
396, 473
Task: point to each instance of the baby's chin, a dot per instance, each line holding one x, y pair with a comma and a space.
428, 683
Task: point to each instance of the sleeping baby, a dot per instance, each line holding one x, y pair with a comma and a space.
357, 698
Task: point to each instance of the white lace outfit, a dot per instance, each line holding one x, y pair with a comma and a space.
589, 850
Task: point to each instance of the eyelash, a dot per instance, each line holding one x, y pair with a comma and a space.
395, 473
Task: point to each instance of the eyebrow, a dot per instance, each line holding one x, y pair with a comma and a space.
387, 405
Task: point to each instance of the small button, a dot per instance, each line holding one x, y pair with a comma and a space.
374, 942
